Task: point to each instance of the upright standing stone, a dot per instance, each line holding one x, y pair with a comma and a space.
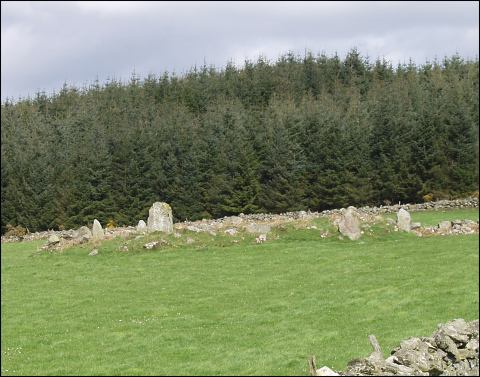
349, 224
97, 230
404, 220
160, 218
141, 227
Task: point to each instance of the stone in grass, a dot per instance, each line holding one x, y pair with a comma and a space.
141, 227
415, 225
349, 224
261, 238
53, 240
160, 218
151, 245
404, 220
231, 231
326, 371
445, 226
93, 252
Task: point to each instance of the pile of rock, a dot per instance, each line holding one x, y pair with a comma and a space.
450, 227
452, 350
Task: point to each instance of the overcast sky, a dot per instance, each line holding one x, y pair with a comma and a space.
45, 44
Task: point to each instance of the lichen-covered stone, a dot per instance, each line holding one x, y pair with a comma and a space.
349, 224
97, 230
404, 220
160, 218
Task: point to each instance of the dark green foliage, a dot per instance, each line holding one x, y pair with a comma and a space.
311, 132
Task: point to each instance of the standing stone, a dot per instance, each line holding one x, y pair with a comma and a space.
349, 224
160, 218
403, 220
97, 230
141, 227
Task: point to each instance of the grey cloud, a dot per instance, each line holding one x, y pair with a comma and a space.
46, 43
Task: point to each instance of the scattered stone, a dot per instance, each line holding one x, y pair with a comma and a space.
93, 252
195, 229
190, 240
177, 235
141, 227
97, 230
445, 226
261, 238
415, 225
151, 245
231, 231
403, 220
160, 218
349, 224
123, 248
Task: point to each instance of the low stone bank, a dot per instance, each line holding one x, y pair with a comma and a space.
452, 350
255, 220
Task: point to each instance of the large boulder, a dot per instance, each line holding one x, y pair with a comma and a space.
160, 218
97, 230
404, 220
349, 224
84, 233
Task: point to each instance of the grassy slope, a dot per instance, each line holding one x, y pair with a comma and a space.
220, 308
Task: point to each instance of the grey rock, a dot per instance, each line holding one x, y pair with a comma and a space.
160, 218
93, 252
349, 224
141, 226
326, 371
256, 228
53, 239
97, 230
403, 220
151, 245
231, 231
84, 232
445, 226
415, 225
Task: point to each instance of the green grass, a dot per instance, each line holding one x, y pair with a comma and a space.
216, 307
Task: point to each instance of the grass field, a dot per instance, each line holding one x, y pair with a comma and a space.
221, 308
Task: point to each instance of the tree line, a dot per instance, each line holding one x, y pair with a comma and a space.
304, 132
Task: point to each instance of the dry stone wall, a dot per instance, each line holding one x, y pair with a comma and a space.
452, 350
242, 221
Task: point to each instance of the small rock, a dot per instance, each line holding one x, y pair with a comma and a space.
326, 371
444, 226
261, 238
141, 227
93, 252
231, 231
151, 245
415, 225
